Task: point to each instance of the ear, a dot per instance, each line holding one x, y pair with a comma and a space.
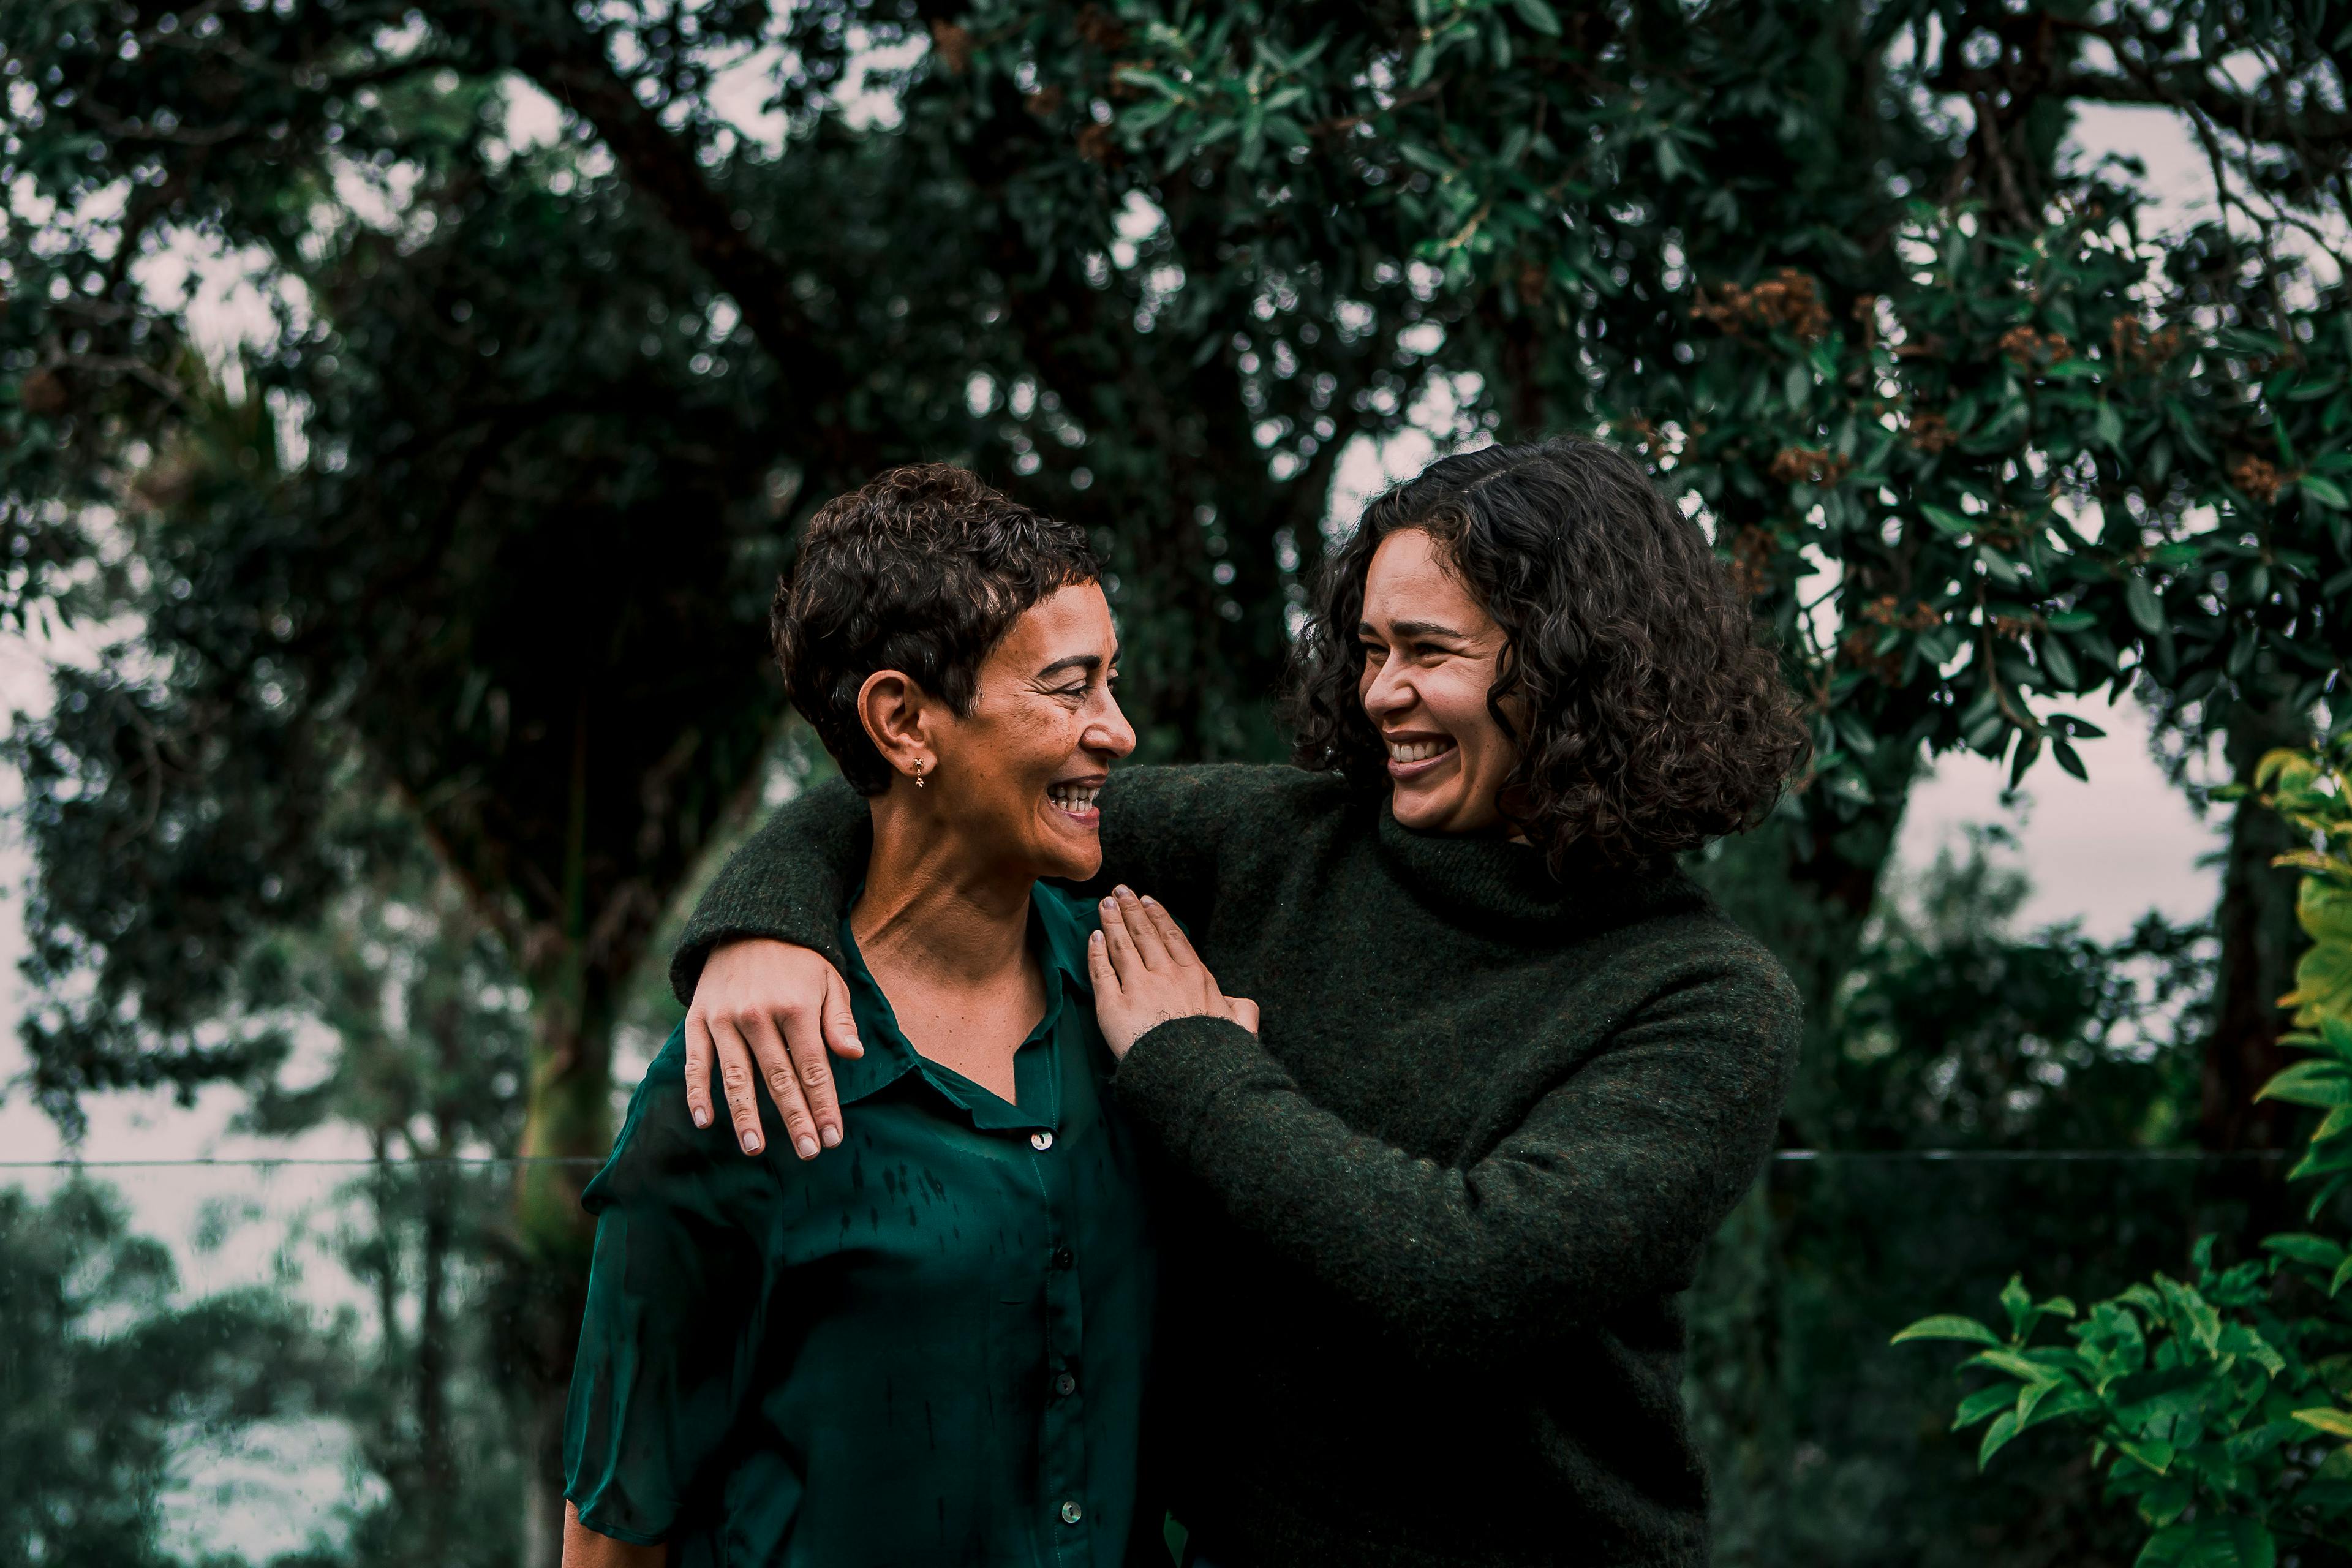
897, 717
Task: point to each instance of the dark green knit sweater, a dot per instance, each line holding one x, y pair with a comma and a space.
1425, 1242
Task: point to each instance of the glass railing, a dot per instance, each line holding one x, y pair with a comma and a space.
306, 1364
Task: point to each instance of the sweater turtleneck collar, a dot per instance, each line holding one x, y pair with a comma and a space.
1492, 885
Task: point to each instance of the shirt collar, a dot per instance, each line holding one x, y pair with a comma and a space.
1058, 928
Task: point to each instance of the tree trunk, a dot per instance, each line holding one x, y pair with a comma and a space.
435, 1465
2259, 942
567, 1126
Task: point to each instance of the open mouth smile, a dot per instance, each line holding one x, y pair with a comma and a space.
1412, 756
1075, 800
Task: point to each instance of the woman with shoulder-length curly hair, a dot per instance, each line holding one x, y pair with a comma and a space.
1422, 1236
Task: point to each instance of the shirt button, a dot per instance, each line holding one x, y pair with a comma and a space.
1064, 1257
1041, 1141
1072, 1513
1066, 1385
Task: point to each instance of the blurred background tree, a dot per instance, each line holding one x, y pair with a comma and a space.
485, 526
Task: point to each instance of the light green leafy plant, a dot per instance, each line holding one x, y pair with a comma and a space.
2216, 1406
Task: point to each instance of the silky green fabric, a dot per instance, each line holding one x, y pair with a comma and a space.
928, 1346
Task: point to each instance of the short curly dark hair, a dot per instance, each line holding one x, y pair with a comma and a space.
1655, 720
923, 570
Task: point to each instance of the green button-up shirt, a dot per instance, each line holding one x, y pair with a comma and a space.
928, 1346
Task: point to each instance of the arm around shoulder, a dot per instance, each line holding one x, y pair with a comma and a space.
1168, 830
788, 882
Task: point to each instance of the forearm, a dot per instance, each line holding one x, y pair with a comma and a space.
789, 882
1603, 1197
584, 1548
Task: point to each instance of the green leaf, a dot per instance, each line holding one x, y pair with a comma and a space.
2223, 1540
1996, 1438
2154, 1453
2327, 492
1983, 1403
1540, 15
1947, 521
2058, 661
2334, 1423
2110, 426
1137, 75
2316, 1250
2323, 1082
1425, 157
2147, 610
1967, 1329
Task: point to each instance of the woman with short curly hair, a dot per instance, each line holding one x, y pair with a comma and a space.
1424, 1234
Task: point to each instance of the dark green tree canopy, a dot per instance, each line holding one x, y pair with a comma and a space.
1978, 446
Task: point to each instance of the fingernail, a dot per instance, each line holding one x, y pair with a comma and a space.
1094, 939
1124, 891
832, 1136
701, 1117
1110, 903
1147, 899
807, 1146
856, 1047
751, 1145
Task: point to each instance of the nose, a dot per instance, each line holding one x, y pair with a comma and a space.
1388, 693
1110, 734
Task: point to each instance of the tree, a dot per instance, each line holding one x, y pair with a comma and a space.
99, 1367
2214, 1405
2033, 452
490, 524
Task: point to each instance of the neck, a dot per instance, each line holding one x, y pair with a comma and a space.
935, 903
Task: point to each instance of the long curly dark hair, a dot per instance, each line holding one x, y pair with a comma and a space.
1653, 720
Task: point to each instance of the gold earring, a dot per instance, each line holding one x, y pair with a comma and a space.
919, 772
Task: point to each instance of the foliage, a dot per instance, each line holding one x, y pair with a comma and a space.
102, 1374
2214, 1401
1955, 1030
487, 519
2045, 450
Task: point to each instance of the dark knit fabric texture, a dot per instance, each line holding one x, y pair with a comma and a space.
1424, 1242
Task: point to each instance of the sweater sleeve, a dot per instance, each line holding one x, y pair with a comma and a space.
1602, 1197
1162, 827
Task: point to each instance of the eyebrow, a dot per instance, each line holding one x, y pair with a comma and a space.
1089, 662
1414, 629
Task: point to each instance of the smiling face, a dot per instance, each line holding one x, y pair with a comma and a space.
1016, 777
1431, 655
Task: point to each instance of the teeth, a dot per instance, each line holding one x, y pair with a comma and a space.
1417, 750
1072, 797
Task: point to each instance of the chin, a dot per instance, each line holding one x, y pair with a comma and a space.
1418, 811
1073, 867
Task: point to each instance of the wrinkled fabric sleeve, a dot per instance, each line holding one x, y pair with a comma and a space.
1602, 1197
791, 880
669, 1340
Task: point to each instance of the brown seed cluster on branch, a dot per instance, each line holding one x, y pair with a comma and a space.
1752, 550
1809, 465
2028, 348
1931, 432
2257, 478
2137, 348
1789, 302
